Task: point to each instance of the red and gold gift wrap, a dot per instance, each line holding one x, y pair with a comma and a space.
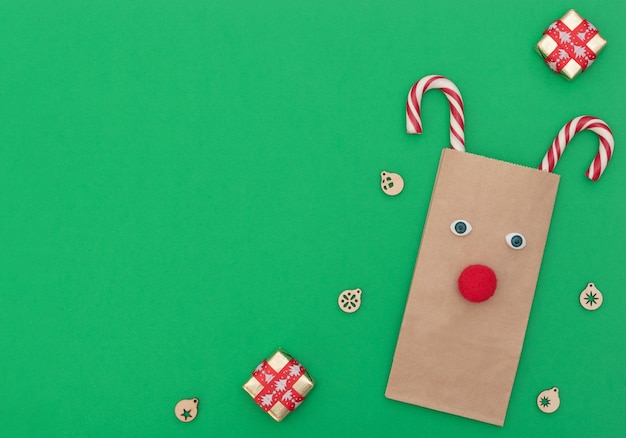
570, 45
279, 385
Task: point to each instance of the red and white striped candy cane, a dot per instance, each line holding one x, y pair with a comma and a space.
457, 119
566, 134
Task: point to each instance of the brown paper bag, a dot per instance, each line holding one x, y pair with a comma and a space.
454, 355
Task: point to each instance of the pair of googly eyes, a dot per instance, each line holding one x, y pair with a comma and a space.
462, 228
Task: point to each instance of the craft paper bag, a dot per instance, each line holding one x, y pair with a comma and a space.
454, 355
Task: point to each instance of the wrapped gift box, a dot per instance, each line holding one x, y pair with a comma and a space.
279, 385
570, 45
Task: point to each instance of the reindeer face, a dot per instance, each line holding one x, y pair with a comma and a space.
477, 268
473, 286
486, 230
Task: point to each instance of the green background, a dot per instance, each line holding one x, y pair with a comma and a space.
187, 185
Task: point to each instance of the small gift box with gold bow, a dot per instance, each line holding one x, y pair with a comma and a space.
570, 45
279, 385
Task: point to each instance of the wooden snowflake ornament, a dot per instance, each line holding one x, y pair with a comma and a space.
349, 300
591, 298
548, 401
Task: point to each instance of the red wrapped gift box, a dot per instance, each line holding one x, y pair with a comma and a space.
570, 45
279, 384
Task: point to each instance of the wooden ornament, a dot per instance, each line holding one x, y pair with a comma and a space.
186, 410
591, 298
349, 300
391, 183
548, 401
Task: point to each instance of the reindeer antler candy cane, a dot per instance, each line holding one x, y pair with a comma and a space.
457, 119
566, 134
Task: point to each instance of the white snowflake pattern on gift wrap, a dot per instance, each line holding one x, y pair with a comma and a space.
259, 368
582, 35
294, 370
287, 395
563, 54
591, 27
281, 385
553, 26
268, 377
579, 51
591, 61
552, 65
266, 400
565, 37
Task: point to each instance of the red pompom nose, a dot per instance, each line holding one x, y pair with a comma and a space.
477, 283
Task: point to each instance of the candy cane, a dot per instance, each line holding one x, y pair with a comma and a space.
457, 120
566, 134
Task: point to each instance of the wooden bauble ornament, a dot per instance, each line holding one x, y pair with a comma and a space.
350, 300
591, 298
391, 183
548, 401
186, 410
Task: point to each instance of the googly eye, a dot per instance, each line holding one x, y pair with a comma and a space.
515, 240
460, 227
